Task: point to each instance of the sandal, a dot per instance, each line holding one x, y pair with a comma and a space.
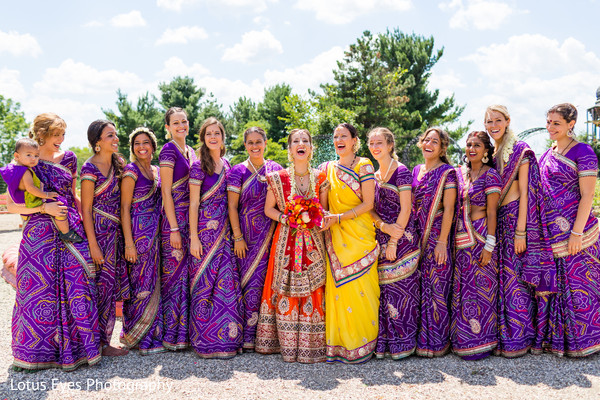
71, 236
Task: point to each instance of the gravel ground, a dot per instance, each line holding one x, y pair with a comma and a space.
252, 376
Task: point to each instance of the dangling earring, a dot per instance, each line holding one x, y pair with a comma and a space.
168, 135
97, 149
290, 158
485, 159
42, 141
571, 133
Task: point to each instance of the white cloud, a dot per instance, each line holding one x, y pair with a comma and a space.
77, 115
93, 24
182, 35
309, 75
447, 82
130, 20
255, 45
77, 78
19, 44
10, 84
175, 66
345, 11
480, 14
529, 74
253, 5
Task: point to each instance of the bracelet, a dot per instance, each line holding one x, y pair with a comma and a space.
520, 233
339, 218
239, 238
576, 233
441, 241
392, 244
43, 208
129, 247
379, 224
355, 214
174, 229
489, 248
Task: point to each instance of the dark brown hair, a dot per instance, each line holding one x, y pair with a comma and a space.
444, 142
487, 143
26, 142
566, 110
255, 129
94, 133
206, 161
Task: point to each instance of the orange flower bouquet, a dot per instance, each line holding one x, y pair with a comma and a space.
304, 213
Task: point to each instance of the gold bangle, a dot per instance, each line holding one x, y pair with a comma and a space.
379, 224
43, 208
355, 214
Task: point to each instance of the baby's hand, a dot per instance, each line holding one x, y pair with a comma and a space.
51, 195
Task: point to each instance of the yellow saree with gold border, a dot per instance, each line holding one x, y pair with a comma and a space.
352, 287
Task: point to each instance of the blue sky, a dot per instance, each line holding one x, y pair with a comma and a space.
70, 57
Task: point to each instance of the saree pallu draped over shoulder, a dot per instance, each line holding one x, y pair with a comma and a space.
527, 279
142, 313
257, 230
352, 287
473, 330
399, 278
216, 308
433, 339
292, 311
55, 319
575, 309
112, 282
174, 276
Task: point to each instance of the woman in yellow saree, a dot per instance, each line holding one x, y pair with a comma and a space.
352, 287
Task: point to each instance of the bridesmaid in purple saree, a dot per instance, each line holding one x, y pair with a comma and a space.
252, 229
569, 171
100, 206
434, 199
216, 310
527, 270
175, 158
55, 320
140, 215
399, 255
474, 327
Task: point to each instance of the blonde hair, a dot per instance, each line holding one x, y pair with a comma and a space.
45, 125
505, 146
388, 136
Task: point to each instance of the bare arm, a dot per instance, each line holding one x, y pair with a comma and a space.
491, 212
270, 206
75, 195
127, 188
586, 188
55, 209
27, 181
